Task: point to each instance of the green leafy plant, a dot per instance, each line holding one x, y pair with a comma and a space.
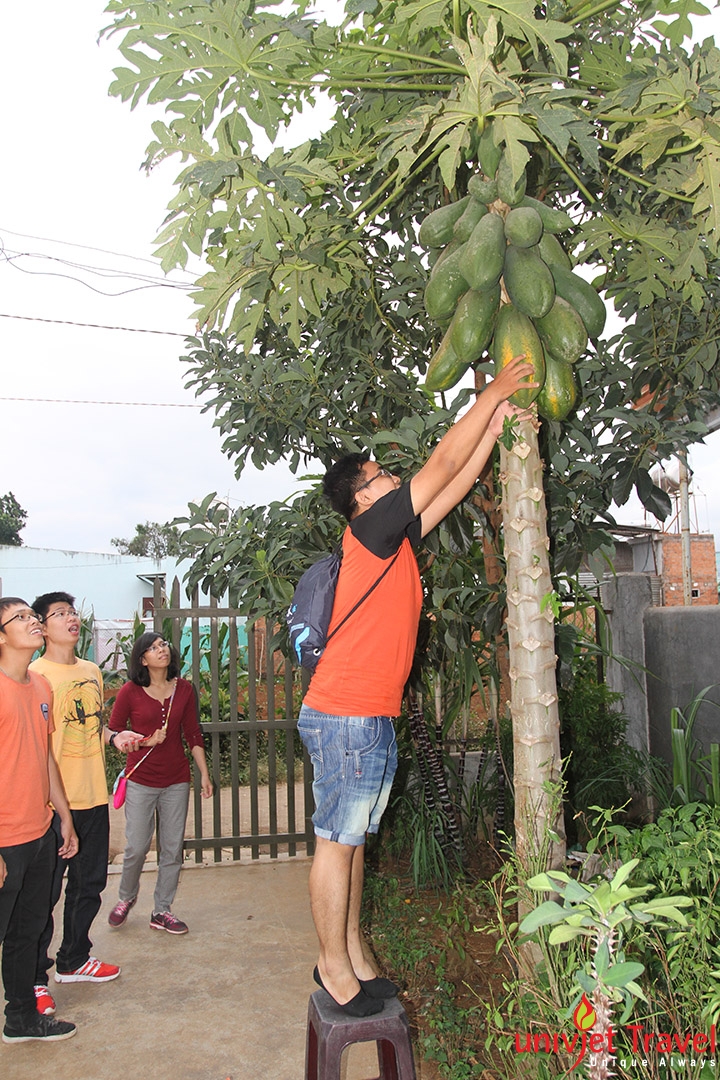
694, 776
680, 851
602, 912
601, 768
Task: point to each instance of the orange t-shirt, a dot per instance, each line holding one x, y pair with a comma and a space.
365, 665
25, 723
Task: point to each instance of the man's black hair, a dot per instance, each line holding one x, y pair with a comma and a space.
342, 480
42, 604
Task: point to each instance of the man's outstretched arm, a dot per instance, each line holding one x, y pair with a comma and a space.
459, 457
459, 487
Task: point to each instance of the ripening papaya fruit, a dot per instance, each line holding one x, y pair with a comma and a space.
554, 221
523, 227
562, 332
467, 221
472, 324
439, 255
515, 334
445, 368
528, 281
436, 229
482, 188
488, 153
559, 393
511, 191
552, 252
484, 254
446, 285
583, 297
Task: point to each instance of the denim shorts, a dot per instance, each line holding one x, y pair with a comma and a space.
354, 760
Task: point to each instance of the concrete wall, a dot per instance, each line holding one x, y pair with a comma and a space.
669, 655
625, 599
110, 585
682, 656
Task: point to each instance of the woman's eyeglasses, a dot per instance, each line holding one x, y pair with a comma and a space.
158, 645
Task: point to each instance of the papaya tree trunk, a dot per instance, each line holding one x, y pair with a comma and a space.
539, 830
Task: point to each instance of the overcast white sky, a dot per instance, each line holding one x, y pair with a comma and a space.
71, 176
71, 183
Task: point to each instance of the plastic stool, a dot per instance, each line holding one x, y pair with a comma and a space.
330, 1031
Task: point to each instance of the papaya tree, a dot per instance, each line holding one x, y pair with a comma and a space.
318, 304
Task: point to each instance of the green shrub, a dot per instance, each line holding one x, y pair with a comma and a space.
680, 852
601, 768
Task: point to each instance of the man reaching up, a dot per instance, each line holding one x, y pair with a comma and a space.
346, 720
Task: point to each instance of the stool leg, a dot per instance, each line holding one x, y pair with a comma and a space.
330, 1055
387, 1060
396, 1060
311, 1053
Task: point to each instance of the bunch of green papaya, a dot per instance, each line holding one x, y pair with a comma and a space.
502, 282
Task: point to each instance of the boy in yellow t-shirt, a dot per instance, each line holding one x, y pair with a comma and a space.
79, 748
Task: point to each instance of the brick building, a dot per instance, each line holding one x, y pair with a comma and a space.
703, 569
659, 554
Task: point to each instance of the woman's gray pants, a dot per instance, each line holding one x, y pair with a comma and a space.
171, 804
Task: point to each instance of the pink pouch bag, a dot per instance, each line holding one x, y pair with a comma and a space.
119, 789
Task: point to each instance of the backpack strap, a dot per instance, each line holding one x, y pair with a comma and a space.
364, 597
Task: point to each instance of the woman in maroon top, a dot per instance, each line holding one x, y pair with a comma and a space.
160, 705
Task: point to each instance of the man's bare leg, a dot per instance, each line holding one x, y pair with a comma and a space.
360, 957
330, 890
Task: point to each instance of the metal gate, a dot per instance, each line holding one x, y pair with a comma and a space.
248, 698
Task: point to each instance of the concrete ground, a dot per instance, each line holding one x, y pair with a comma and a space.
228, 1001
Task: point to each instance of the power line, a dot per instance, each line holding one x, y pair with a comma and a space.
93, 326
11, 256
87, 247
78, 401
101, 292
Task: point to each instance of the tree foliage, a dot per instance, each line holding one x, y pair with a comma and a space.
152, 539
315, 333
12, 520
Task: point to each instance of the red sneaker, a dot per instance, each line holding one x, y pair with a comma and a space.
91, 971
44, 1001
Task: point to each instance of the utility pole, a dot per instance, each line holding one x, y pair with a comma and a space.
685, 528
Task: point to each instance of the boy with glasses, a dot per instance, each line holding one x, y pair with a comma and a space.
29, 781
346, 720
79, 748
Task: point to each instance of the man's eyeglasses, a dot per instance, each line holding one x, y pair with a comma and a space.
380, 472
64, 613
158, 645
23, 617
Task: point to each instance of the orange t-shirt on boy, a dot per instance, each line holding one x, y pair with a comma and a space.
25, 724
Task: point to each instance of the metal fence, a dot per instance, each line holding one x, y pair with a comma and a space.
248, 696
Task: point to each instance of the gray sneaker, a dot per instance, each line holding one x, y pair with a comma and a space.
46, 1028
